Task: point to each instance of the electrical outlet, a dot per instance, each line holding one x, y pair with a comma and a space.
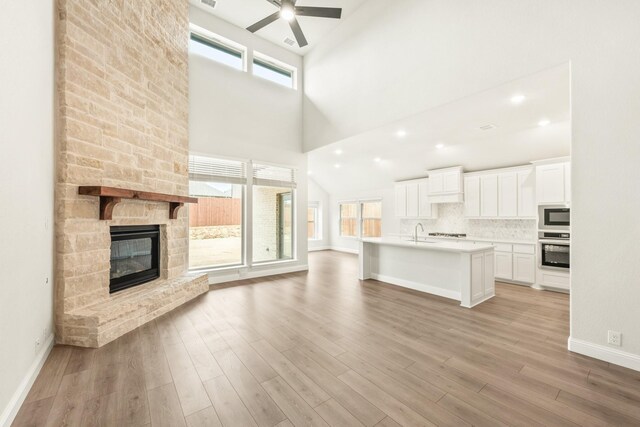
615, 338
37, 347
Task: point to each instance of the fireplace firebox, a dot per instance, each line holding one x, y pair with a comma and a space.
135, 254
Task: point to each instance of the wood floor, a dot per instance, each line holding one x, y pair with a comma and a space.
325, 349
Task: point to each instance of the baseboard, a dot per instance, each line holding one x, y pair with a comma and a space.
11, 410
254, 274
318, 248
418, 286
608, 354
346, 250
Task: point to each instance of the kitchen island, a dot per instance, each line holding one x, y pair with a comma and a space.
463, 271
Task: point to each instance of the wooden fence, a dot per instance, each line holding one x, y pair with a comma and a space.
212, 211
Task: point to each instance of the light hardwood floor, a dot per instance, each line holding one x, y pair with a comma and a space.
325, 349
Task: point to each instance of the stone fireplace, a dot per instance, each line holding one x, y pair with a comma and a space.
122, 84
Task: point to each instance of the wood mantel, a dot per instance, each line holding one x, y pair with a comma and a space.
111, 196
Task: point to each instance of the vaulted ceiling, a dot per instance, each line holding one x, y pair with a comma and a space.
244, 13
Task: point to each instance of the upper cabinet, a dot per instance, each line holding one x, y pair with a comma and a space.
553, 183
446, 185
412, 200
503, 193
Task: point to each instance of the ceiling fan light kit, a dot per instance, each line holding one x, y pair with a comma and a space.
288, 11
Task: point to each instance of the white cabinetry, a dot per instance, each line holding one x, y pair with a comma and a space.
489, 196
508, 195
553, 183
412, 200
445, 185
472, 196
502, 193
515, 262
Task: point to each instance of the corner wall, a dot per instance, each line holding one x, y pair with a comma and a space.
26, 191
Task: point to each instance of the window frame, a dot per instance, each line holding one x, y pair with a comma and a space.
317, 221
223, 44
276, 66
357, 218
362, 217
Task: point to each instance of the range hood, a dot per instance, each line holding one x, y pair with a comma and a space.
446, 185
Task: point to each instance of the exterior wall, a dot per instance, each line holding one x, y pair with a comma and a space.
123, 122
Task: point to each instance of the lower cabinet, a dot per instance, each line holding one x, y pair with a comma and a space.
504, 265
524, 268
483, 285
515, 262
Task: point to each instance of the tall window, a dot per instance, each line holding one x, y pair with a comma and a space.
274, 70
273, 213
372, 219
216, 221
313, 221
349, 219
214, 47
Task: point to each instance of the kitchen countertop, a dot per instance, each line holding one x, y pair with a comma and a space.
460, 246
473, 239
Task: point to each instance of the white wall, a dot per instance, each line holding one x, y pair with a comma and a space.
234, 114
391, 60
318, 195
26, 191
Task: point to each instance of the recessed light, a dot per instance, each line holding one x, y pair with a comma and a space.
309, 173
338, 151
377, 160
287, 13
401, 133
518, 99
337, 166
544, 122
439, 146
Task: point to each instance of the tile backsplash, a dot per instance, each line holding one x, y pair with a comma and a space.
451, 220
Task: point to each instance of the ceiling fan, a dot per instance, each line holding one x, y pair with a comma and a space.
288, 11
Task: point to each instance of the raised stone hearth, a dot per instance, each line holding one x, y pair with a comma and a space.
122, 85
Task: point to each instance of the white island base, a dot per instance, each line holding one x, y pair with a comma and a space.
462, 271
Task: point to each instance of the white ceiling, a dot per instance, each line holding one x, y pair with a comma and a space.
243, 13
517, 139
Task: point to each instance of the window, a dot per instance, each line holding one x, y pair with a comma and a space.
313, 221
372, 219
349, 219
216, 222
209, 45
273, 213
274, 70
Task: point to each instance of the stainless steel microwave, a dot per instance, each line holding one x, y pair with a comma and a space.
554, 217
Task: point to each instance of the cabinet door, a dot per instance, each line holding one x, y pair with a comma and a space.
489, 195
477, 277
412, 199
504, 265
526, 194
489, 275
508, 195
524, 268
451, 182
436, 183
425, 208
401, 200
567, 182
550, 185
472, 196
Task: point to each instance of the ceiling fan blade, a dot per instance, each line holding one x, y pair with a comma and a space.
276, 3
297, 31
319, 12
264, 22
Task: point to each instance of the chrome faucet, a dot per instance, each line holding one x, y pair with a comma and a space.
415, 232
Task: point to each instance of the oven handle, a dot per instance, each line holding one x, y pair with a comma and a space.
555, 242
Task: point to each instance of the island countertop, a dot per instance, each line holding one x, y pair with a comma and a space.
433, 245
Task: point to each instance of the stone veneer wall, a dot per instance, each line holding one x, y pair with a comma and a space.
122, 121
